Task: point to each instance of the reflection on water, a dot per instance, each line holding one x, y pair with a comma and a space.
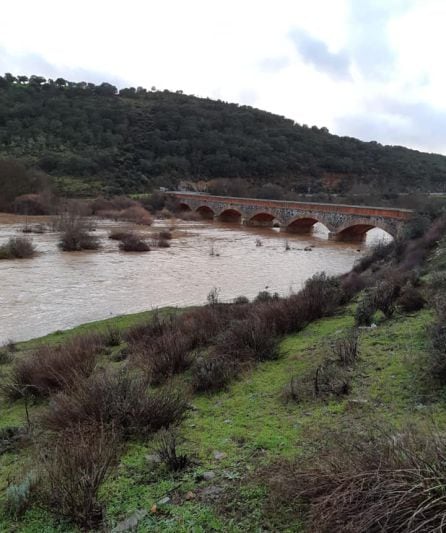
60, 290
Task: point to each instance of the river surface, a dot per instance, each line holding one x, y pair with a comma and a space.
58, 290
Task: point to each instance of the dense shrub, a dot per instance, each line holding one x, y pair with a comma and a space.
120, 400
322, 295
75, 462
385, 294
248, 340
164, 356
410, 300
17, 248
365, 310
52, 368
372, 482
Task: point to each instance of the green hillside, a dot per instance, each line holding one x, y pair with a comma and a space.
96, 138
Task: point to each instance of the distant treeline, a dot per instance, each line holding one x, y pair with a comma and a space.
134, 140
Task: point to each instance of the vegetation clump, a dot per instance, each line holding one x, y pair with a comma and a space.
75, 233
17, 248
133, 243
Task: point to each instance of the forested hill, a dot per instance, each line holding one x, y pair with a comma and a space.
133, 139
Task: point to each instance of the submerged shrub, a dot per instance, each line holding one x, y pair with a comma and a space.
133, 243
119, 234
75, 233
17, 248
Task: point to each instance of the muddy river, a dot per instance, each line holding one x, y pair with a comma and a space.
58, 290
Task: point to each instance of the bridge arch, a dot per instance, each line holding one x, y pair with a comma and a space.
302, 224
183, 206
357, 231
205, 212
262, 219
230, 215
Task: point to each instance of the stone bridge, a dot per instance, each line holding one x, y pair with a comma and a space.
344, 222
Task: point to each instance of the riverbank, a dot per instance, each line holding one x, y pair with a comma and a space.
233, 434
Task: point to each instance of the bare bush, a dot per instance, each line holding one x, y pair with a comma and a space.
52, 368
345, 348
75, 232
381, 481
212, 373
75, 463
120, 400
165, 356
17, 248
248, 339
137, 214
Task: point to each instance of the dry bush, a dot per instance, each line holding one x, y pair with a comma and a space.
75, 463
345, 348
75, 234
52, 368
365, 310
213, 373
385, 294
17, 248
165, 356
362, 482
331, 379
249, 339
112, 336
133, 243
410, 300
120, 400
322, 295
137, 214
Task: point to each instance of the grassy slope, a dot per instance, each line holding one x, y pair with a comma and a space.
251, 425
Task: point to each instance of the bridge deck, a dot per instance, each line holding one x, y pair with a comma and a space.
385, 212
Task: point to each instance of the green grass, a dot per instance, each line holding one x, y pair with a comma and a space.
251, 426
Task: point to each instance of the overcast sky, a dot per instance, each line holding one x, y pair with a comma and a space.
372, 69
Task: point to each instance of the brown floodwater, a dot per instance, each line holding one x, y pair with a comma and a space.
58, 290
